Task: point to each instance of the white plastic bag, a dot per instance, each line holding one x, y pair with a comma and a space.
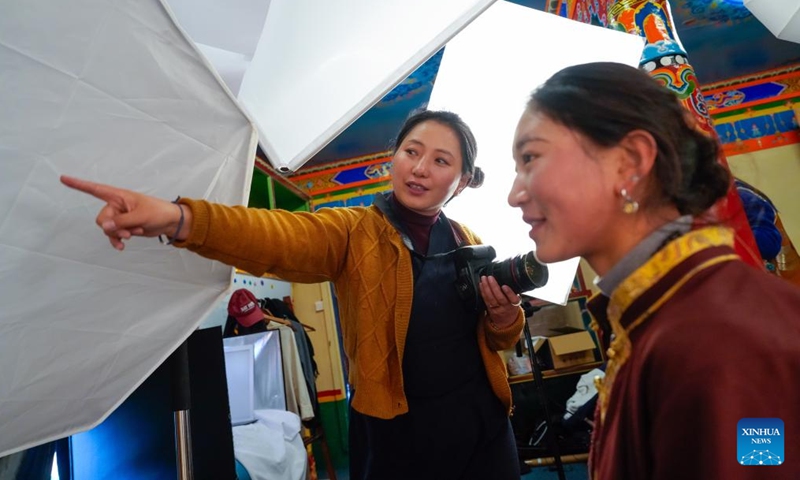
519, 365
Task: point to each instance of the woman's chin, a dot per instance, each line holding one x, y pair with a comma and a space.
542, 256
546, 255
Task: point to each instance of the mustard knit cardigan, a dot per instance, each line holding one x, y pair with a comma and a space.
360, 251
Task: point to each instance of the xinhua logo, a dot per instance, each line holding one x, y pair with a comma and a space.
760, 441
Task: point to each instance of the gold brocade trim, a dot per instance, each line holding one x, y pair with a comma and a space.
662, 263
617, 354
643, 279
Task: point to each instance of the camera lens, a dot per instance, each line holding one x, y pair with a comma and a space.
522, 273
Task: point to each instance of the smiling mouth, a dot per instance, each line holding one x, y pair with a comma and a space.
416, 187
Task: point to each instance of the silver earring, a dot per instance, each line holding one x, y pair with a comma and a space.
630, 205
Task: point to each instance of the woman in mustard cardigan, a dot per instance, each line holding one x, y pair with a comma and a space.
430, 394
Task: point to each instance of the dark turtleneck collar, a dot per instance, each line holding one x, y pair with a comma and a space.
417, 226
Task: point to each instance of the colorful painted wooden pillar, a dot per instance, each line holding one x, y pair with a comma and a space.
665, 60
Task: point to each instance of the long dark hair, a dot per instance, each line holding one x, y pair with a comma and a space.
605, 101
469, 147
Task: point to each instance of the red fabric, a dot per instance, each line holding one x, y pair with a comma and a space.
731, 211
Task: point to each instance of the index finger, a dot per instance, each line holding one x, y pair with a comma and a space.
487, 290
97, 190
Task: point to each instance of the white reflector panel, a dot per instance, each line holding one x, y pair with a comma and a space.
487, 73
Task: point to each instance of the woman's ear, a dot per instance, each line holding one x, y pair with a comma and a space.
463, 183
640, 150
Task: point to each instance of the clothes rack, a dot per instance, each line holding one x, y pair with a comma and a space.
284, 321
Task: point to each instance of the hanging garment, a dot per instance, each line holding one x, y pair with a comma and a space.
297, 395
280, 309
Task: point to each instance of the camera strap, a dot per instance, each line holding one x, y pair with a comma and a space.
458, 233
418, 259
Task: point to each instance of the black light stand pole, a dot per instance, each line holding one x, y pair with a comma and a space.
181, 402
552, 441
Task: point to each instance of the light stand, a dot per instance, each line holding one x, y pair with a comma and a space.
181, 402
552, 441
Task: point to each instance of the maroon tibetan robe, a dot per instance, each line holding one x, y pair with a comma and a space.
700, 340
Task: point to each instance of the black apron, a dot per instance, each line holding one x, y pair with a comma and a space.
456, 428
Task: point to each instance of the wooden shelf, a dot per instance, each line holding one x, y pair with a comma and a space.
568, 458
528, 377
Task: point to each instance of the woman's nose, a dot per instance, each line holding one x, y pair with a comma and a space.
421, 167
517, 196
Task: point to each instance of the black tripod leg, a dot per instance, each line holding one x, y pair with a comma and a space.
552, 441
181, 403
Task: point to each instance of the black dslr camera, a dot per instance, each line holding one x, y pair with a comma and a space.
522, 273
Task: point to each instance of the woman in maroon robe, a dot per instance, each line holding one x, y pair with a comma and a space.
703, 349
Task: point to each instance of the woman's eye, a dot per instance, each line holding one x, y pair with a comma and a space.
529, 157
442, 161
411, 151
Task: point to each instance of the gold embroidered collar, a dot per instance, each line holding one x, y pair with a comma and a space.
644, 278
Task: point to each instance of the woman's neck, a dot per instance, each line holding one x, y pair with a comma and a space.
417, 226
409, 216
630, 232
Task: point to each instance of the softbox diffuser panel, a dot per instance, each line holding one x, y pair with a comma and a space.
320, 65
113, 92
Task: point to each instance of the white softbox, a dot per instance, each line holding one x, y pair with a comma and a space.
109, 91
305, 70
487, 73
781, 17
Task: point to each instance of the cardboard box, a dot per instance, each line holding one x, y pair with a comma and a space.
555, 320
566, 350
